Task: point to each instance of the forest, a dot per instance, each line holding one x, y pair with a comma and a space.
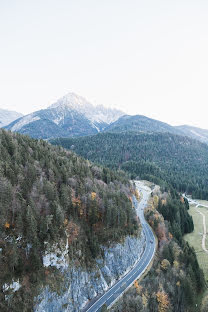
175, 281
166, 159
48, 194
174, 162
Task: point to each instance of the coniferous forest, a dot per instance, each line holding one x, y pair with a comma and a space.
173, 162
163, 158
47, 194
175, 280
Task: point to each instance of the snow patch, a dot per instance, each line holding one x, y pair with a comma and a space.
58, 119
99, 113
199, 135
94, 126
24, 121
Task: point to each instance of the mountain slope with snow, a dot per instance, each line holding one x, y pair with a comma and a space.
96, 114
70, 116
6, 117
194, 133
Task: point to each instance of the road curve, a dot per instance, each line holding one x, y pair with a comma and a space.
117, 290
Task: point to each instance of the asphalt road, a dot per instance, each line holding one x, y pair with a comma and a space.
116, 291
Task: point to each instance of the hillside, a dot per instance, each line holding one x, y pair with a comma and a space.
175, 282
6, 117
194, 133
160, 157
70, 116
60, 215
47, 196
139, 123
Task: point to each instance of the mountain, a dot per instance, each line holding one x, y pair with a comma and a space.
96, 114
139, 123
159, 157
69, 231
58, 211
6, 117
194, 133
70, 116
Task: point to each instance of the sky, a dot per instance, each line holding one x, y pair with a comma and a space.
143, 56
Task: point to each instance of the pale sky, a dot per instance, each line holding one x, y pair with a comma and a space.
146, 57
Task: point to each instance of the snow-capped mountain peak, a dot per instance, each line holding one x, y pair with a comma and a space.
71, 100
71, 115
97, 114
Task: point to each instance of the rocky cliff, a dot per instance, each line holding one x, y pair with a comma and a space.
77, 287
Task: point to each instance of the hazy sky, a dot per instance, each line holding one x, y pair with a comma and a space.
146, 57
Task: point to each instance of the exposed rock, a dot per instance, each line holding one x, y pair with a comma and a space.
79, 286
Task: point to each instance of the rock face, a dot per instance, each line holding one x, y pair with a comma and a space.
78, 286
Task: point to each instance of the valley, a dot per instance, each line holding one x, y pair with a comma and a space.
103, 156
198, 238
71, 238
166, 159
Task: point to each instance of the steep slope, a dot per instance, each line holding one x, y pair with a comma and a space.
160, 157
139, 123
194, 133
175, 282
52, 123
57, 211
70, 116
6, 117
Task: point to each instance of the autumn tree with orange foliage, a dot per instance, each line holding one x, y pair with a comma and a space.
163, 301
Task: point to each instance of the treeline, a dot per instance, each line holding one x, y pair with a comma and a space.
163, 158
175, 281
48, 194
175, 212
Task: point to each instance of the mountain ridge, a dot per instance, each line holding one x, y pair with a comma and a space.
7, 116
74, 116
140, 123
70, 116
194, 132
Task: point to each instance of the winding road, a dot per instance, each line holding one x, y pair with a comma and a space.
117, 290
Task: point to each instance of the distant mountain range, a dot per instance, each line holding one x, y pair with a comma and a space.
74, 116
139, 123
70, 116
6, 117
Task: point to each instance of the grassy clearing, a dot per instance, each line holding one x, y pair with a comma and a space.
195, 238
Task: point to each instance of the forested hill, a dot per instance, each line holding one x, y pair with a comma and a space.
160, 157
139, 123
46, 195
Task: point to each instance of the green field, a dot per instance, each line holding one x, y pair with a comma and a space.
195, 238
